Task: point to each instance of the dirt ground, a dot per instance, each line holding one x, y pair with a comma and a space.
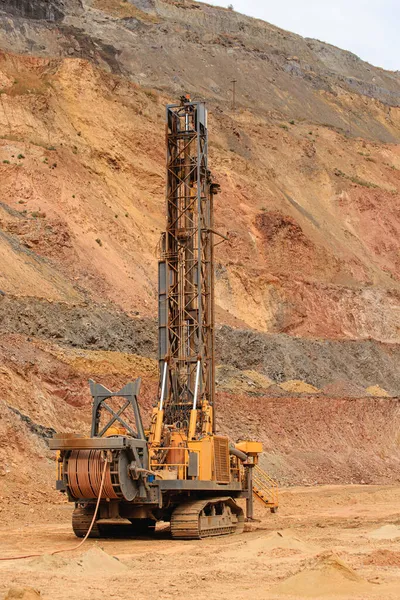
325, 542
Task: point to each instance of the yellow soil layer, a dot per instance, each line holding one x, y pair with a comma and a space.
376, 390
101, 362
244, 381
259, 379
123, 10
297, 386
17, 267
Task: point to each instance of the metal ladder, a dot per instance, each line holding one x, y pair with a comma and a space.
265, 489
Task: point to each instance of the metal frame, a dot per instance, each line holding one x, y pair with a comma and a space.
100, 394
186, 268
131, 393
111, 443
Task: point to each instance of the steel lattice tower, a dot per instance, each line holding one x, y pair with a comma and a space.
186, 270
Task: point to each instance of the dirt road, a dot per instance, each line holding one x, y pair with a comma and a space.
326, 542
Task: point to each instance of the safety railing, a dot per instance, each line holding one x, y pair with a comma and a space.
265, 488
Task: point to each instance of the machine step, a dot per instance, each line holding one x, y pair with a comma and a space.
265, 488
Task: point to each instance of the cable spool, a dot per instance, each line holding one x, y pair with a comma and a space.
83, 471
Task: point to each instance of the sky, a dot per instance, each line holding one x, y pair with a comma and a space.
369, 28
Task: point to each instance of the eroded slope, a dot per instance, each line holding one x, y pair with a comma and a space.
307, 287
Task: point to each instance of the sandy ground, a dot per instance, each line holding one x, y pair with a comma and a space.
325, 542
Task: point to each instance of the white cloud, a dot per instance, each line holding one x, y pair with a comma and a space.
369, 28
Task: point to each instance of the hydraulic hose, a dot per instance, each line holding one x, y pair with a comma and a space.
241, 455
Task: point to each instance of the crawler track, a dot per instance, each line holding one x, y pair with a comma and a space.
81, 520
206, 518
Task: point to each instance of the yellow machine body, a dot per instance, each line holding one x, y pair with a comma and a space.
252, 449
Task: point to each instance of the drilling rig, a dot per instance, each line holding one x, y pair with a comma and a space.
179, 470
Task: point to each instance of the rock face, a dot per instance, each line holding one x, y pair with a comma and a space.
151, 40
308, 283
47, 10
312, 214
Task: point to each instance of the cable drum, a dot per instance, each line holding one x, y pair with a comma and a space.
83, 470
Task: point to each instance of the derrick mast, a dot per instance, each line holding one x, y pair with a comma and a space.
186, 276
